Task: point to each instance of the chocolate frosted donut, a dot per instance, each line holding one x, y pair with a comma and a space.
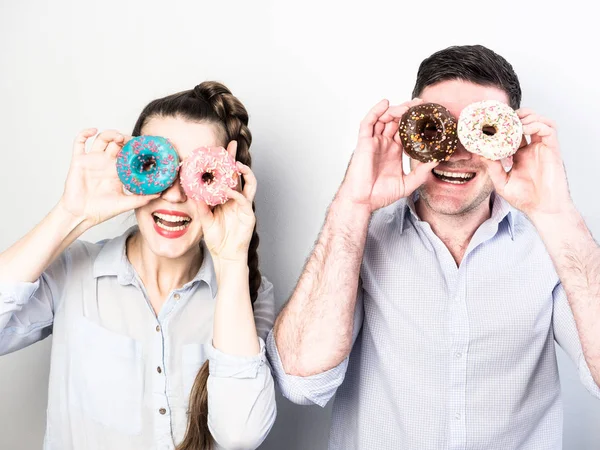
428, 132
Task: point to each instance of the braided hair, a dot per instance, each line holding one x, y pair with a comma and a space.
209, 102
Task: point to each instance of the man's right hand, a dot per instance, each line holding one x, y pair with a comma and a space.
375, 176
93, 191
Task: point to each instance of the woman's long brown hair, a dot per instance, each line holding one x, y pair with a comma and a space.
209, 102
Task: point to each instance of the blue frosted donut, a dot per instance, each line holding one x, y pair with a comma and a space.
147, 164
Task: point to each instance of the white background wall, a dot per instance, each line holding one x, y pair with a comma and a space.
307, 71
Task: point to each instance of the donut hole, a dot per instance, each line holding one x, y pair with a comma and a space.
208, 178
488, 130
145, 163
429, 129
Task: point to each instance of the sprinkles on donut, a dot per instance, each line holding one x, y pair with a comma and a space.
428, 132
147, 164
207, 173
491, 129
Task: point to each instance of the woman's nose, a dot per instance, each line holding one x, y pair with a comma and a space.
175, 192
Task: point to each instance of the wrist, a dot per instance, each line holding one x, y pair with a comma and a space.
544, 219
349, 212
68, 220
235, 266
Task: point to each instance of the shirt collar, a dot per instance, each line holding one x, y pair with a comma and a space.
501, 209
112, 261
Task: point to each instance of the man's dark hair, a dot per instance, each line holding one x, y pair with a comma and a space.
474, 63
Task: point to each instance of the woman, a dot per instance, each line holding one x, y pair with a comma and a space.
157, 336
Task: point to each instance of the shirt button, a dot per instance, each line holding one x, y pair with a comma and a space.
158, 369
176, 296
457, 355
157, 328
163, 411
457, 416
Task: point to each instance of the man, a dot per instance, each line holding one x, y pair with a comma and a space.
436, 297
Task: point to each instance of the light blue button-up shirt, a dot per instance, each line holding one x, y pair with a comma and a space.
120, 376
448, 357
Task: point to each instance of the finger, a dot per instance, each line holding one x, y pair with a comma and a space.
81, 139
126, 138
391, 129
104, 138
524, 112
207, 218
243, 203
114, 147
507, 163
232, 148
250, 183
497, 174
396, 112
368, 123
379, 127
536, 118
417, 177
540, 132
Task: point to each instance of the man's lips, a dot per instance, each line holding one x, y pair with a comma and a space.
453, 176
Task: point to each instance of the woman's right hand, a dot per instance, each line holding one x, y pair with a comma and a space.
93, 191
375, 176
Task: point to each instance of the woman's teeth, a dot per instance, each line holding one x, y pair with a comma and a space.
454, 177
171, 223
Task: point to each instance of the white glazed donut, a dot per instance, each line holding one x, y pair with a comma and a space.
475, 121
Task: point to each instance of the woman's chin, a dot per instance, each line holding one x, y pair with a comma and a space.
170, 243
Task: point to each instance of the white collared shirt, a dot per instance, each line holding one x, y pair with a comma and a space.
120, 376
448, 357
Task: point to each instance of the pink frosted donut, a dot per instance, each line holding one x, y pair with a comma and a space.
206, 174
491, 129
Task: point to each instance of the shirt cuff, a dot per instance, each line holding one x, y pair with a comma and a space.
315, 389
587, 379
225, 365
17, 293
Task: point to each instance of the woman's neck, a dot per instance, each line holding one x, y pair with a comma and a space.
161, 275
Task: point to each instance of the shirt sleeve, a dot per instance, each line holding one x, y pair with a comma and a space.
241, 391
27, 309
565, 334
315, 389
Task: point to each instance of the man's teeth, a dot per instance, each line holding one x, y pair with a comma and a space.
454, 177
170, 218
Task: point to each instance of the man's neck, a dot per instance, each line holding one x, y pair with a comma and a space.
455, 230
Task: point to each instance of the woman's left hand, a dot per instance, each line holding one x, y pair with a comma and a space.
228, 228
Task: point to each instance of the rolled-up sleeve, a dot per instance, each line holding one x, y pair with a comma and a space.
25, 315
315, 389
27, 309
241, 390
565, 334
312, 390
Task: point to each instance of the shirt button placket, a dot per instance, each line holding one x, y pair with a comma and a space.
163, 424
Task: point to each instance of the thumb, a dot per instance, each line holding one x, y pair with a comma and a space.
417, 177
497, 174
207, 218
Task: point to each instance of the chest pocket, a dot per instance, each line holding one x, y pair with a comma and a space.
194, 356
108, 378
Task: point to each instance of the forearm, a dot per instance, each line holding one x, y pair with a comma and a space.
27, 259
576, 257
234, 330
314, 331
